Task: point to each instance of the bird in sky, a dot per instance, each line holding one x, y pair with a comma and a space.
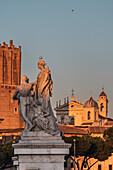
72, 10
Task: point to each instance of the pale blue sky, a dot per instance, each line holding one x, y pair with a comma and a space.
77, 46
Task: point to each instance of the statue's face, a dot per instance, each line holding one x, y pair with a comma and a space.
40, 66
24, 79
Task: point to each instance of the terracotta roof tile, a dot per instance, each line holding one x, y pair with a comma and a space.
72, 130
11, 130
97, 129
109, 123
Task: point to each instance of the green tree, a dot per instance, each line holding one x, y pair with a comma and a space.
88, 147
6, 153
108, 136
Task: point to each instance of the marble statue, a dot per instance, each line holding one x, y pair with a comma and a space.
34, 102
23, 94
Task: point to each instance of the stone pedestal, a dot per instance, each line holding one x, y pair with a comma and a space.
40, 151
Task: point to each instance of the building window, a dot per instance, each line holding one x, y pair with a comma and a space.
62, 120
15, 110
89, 115
110, 167
102, 107
72, 106
99, 167
72, 121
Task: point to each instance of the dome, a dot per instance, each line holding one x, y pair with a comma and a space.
91, 103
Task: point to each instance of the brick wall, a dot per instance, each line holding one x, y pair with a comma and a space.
10, 73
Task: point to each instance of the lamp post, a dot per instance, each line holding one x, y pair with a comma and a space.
74, 152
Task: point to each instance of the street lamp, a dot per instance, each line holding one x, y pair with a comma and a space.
74, 152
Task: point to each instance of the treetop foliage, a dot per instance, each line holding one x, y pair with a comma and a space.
91, 147
6, 153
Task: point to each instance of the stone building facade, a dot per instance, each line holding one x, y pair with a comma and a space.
10, 74
90, 118
78, 114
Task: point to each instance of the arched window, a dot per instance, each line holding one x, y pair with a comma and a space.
15, 74
102, 107
72, 121
99, 167
62, 120
89, 115
5, 71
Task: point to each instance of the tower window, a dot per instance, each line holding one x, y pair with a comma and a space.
89, 115
99, 167
62, 120
110, 167
72, 121
102, 107
15, 110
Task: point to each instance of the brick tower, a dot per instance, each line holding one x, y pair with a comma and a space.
10, 73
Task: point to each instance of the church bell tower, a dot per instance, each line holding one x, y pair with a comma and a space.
103, 104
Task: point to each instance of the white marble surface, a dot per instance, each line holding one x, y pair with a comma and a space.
40, 151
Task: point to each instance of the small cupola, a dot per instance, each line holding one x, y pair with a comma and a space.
91, 102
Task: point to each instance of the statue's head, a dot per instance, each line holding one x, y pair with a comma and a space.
41, 63
25, 79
